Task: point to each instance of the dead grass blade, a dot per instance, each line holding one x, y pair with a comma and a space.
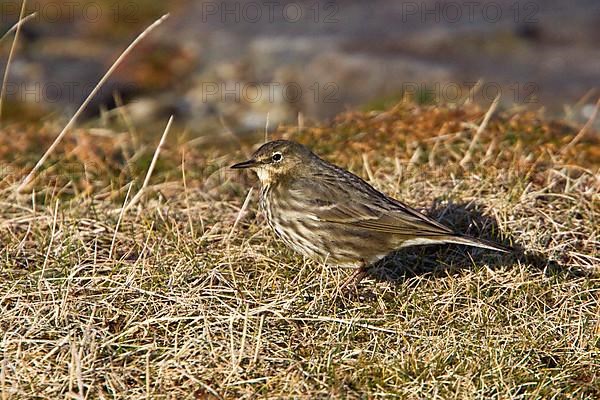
17, 27
140, 192
83, 105
469, 154
583, 130
240, 214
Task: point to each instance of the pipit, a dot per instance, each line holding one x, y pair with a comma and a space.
331, 215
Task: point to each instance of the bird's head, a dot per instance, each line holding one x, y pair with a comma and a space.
277, 159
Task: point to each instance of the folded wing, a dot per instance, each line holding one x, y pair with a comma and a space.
354, 202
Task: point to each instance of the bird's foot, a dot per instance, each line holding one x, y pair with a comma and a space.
355, 278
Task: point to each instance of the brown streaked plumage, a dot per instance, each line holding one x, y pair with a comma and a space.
329, 214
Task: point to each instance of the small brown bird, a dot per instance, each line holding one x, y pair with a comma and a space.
329, 214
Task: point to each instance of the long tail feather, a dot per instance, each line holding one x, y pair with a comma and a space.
471, 241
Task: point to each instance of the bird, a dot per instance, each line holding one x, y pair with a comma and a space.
330, 215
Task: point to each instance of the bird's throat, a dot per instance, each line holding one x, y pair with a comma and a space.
264, 176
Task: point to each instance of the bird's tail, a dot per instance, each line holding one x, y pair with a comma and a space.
471, 241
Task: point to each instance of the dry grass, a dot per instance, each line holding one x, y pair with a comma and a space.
166, 300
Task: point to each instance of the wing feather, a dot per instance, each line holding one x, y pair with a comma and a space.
349, 200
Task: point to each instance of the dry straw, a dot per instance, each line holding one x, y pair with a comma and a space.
142, 190
469, 154
17, 28
83, 105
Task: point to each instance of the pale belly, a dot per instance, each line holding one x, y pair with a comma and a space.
320, 240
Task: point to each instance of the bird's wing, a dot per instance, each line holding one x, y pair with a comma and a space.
354, 202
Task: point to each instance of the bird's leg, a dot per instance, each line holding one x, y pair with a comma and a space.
357, 276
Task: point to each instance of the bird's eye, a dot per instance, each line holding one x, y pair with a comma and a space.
277, 157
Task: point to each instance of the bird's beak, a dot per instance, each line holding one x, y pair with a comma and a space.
245, 164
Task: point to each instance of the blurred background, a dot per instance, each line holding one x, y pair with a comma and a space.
227, 65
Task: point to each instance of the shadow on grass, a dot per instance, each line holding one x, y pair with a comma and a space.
440, 260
